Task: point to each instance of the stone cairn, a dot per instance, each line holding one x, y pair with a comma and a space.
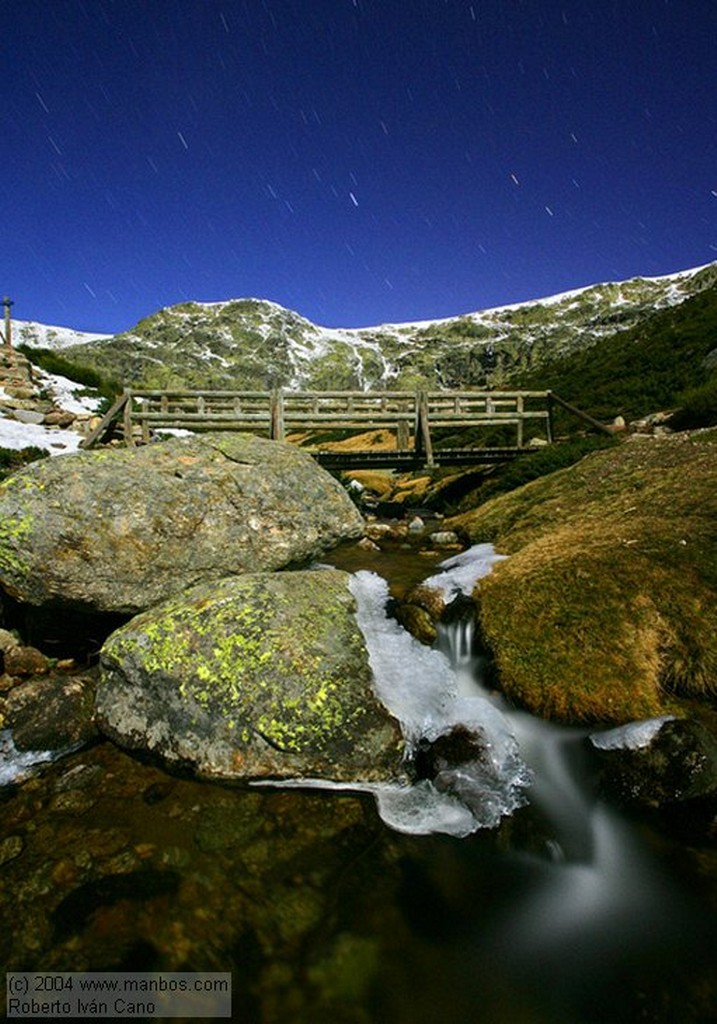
26, 399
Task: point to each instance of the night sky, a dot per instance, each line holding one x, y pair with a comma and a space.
359, 161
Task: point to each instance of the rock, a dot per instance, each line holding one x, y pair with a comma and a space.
10, 848
53, 712
259, 675
7, 640
659, 762
417, 621
59, 418
7, 682
366, 544
416, 525
28, 416
444, 539
122, 529
25, 661
429, 598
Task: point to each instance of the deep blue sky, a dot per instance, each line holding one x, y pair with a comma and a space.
359, 161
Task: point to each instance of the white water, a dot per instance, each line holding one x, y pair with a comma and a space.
592, 883
429, 697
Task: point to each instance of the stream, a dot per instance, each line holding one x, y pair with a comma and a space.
501, 890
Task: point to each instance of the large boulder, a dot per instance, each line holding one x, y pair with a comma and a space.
119, 530
258, 675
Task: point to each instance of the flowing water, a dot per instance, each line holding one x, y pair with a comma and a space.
499, 891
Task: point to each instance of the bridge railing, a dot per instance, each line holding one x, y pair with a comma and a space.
412, 415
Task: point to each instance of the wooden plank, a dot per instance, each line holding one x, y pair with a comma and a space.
106, 422
580, 414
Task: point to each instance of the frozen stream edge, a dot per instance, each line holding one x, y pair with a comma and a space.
420, 687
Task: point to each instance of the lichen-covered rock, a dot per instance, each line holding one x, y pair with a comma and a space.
120, 530
258, 675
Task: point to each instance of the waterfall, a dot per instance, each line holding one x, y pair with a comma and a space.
421, 688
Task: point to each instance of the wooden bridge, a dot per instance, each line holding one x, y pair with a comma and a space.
413, 417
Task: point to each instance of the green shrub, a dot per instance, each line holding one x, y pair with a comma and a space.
533, 465
12, 459
52, 362
698, 407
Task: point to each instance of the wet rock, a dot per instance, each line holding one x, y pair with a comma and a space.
25, 661
261, 675
7, 640
420, 611
7, 682
674, 762
120, 530
449, 750
10, 848
444, 539
366, 544
429, 598
53, 712
417, 621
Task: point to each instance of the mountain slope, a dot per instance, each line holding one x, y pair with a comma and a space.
28, 332
640, 370
251, 343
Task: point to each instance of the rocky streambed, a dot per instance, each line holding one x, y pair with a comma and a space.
525, 895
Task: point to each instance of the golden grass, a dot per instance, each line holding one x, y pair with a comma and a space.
607, 609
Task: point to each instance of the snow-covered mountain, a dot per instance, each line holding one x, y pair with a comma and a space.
28, 332
253, 343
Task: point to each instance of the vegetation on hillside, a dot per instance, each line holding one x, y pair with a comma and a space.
74, 369
641, 370
12, 459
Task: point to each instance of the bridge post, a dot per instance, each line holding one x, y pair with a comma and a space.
276, 401
402, 436
549, 428
127, 420
423, 442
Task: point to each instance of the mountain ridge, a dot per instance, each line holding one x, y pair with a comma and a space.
256, 343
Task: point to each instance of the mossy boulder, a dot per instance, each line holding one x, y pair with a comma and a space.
260, 675
606, 610
122, 529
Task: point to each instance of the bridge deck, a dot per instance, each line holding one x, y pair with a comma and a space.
409, 460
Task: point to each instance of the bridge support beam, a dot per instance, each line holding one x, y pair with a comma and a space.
277, 432
423, 442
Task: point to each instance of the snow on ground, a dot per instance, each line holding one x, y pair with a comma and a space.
16, 435
66, 394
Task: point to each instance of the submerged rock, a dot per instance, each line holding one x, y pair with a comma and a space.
261, 675
120, 530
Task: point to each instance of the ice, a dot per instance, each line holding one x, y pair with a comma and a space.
415, 682
421, 688
460, 573
16, 765
632, 736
